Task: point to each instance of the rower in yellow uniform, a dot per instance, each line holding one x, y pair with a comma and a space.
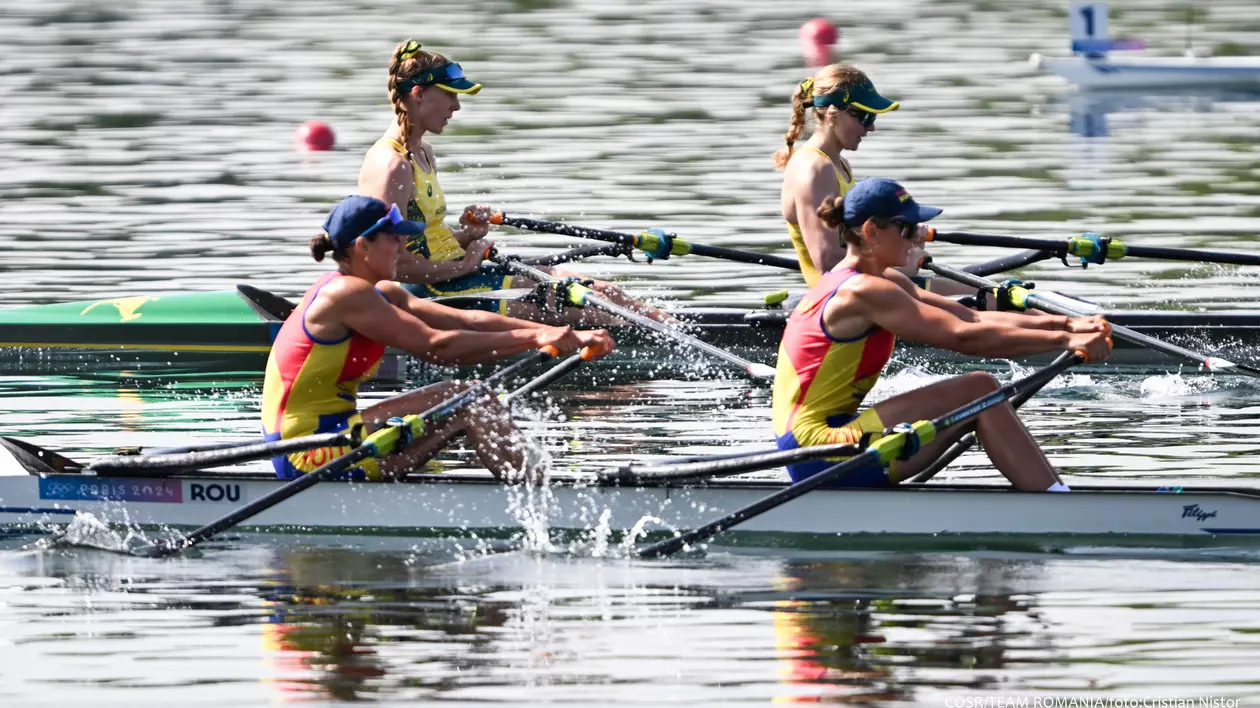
335, 338
844, 104
839, 338
400, 169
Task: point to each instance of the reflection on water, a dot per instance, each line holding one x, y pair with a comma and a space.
292, 624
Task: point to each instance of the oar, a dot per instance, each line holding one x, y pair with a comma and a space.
655, 243
967, 441
381, 443
1022, 297
579, 295
881, 452
215, 454
1093, 248
722, 465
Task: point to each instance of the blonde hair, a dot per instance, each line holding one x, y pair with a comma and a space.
408, 60
826, 80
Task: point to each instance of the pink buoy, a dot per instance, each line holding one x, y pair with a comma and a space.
314, 135
819, 32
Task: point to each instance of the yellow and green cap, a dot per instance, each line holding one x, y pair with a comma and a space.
863, 96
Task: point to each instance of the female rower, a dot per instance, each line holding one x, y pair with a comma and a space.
839, 338
335, 338
399, 169
844, 104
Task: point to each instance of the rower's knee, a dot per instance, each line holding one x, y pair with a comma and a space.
982, 381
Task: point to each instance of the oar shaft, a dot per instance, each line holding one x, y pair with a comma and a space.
228, 453
878, 453
1044, 303
552, 375
682, 247
1193, 254
581, 296
1085, 247
719, 465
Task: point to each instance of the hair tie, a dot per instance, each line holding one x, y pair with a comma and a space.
807, 88
409, 50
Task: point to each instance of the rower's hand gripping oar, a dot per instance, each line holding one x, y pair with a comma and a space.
656, 243
579, 295
1021, 297
1094, 248
396, 435
906, 438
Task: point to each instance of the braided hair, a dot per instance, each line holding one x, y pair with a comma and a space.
408, 60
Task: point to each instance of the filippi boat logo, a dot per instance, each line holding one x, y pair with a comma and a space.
1196, 512
97, 489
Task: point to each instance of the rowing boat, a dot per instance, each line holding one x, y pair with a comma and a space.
1153, 72
459, 504
244, 322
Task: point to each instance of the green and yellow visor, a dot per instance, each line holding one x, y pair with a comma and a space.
862, 97
448, 77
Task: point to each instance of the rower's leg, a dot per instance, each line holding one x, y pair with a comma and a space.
1006, 440
499, 444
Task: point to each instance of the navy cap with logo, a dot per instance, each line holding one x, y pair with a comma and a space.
881, 198
359, 216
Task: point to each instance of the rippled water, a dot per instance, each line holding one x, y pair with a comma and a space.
149, 149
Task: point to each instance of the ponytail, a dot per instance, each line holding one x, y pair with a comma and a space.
804, 94
831, 211
321, 245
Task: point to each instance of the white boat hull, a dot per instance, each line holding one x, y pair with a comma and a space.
459, 504
1154, 72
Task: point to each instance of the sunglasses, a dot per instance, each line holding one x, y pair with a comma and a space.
391, 218
866, 118
907, 229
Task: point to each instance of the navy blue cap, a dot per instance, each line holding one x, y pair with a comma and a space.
881, 198
357, 216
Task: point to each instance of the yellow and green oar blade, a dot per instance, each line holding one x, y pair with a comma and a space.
579, 295
1022, 297
882, 452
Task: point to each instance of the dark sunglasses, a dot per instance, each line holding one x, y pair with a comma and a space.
907, 229
866, 118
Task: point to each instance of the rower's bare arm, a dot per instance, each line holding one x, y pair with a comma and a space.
414, 269
387, 176
441, 316
366, 312
818, 182
889, 306
949, 305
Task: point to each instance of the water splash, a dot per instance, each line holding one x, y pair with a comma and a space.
87, 531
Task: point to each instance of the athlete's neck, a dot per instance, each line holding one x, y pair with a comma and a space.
415, 144
862, 261
827, 143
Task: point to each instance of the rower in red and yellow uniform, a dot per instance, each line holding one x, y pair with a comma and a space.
841, 335
400, 169
335, 338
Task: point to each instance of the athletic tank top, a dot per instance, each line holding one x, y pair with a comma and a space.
844, 179
819, 376
437, 243
309, 378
